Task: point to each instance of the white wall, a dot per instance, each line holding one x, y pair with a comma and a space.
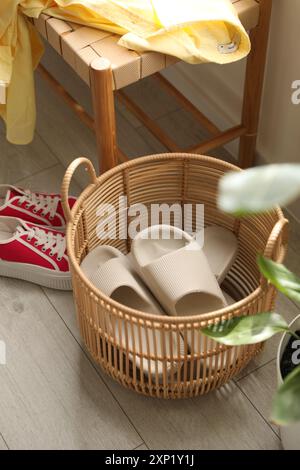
218, 89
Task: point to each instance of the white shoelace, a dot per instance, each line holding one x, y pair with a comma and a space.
47, 204
48, 240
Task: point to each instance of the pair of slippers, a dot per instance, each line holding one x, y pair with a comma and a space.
167, 272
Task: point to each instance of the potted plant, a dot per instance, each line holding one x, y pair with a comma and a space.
247, 193
289, 352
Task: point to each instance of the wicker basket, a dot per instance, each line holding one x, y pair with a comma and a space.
207, 365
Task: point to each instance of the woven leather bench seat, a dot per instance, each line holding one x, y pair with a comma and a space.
80, 46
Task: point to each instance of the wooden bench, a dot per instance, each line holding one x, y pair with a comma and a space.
107, 68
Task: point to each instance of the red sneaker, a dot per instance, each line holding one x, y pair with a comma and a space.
33, 253
37, 208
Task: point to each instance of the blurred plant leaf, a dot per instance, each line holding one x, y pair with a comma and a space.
259, 189
247, 330
286, 406
283, 279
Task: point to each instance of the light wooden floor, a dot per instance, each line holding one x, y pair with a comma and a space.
52, 395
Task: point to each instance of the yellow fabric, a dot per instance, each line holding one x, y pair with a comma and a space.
192, 30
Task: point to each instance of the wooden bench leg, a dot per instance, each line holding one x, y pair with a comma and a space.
254, 85
104, 113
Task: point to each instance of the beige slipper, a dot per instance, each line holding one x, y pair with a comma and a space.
175, 268
198, 343
184, 277
220, 248
113, 274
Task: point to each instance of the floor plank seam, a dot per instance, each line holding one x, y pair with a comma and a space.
254, 370
85, 352
143, 444
48, 146
2, 437
37, 173
295, 304
153, 150
257, 410
141, 125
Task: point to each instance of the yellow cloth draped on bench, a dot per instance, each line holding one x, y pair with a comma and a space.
194, 30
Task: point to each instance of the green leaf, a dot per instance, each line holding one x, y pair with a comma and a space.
247, 330
286, 406
259, 189
283, 279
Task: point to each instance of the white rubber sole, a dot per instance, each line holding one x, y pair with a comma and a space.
38, 275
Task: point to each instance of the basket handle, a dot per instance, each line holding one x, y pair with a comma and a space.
67, 180
279, 231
